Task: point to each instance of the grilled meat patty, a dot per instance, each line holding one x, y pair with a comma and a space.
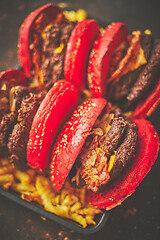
108, 153
18, 139
54, 46
135, 84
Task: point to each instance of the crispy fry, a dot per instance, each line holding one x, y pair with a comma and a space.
76, 206
90, 220
5, 178
79, 219
23, 177
6, 169
88, 211
22, 188
70, 202
32, 197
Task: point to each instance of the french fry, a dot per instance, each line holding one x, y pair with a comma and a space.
66, 201
69, 203
6, 169
90, 220
88, 211
5, 178
32, 197
76, 206
44, 189
22, 188
79, 219
6, 185
22, 176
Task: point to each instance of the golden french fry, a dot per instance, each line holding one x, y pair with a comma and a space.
63, 194
71, 15
22, 176
81, 14
79, 219
44, 189
6, 169
22, 188
66, 201
61, 210
31, 197
6, 185
88, 211
6, 178
31, 173
70, 202
90, 220
76, 206
56, 200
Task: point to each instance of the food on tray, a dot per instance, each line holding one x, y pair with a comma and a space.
115, 148
78, 50
127, 71
59, 102
70, 203
73, 134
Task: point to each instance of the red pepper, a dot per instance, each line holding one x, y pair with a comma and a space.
72, 138
101, 55
78, 50
147, 107
125, 184
27, 30
58, 104
12, 77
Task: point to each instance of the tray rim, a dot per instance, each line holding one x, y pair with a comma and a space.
53, 217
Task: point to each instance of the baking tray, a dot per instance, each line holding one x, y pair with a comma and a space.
100, 219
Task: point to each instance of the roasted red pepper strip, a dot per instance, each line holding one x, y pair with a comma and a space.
124, 185
72, 138
78, 49
12, 77
147, 107
58, 104
100, 57
26, 34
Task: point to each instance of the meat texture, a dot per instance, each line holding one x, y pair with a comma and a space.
118, 142
18, 140
53, 50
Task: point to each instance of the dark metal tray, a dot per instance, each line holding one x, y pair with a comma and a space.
100, 219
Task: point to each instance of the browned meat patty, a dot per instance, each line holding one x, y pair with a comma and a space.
6, 126
147, 78
114, 136
134, 85
19, 93
126, 150
19, 137
120, 142
52, 66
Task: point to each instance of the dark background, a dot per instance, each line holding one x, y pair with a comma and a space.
139, 216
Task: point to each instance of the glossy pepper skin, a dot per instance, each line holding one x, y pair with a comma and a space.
147, 107
72, 138
78, 49
126, 183
99, 61
13, 77
57, 105
26, 34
